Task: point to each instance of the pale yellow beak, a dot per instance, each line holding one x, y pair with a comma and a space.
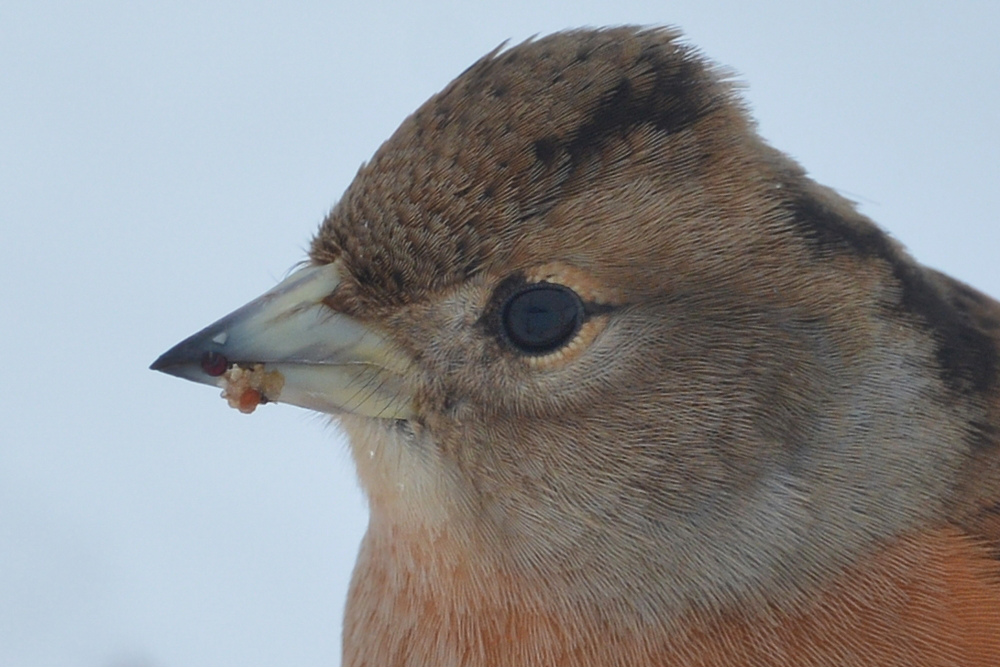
315, 357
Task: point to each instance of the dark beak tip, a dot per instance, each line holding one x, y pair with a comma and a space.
196, 358
183, 354
158, 365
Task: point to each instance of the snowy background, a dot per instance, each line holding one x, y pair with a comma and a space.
162, 163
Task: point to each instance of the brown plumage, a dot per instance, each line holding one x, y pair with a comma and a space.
752, 431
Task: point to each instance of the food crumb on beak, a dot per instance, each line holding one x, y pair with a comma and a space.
246, 388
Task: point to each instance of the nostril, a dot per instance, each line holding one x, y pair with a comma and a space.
214, 364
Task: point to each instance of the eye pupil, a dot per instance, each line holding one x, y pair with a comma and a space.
541, 318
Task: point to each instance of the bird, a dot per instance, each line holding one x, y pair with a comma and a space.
624, 386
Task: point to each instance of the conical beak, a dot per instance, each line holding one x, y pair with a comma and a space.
290, 347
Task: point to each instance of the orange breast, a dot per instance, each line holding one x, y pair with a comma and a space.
933, 600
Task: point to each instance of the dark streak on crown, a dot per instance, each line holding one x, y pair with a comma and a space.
681, 93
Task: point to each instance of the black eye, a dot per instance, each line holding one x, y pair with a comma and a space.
541, 318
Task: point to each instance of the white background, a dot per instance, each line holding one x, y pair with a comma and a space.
162, 163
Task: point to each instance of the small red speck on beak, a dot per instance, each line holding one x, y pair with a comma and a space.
214, 364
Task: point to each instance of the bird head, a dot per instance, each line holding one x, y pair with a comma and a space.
579, 318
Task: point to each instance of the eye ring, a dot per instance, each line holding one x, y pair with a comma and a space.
540, 318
